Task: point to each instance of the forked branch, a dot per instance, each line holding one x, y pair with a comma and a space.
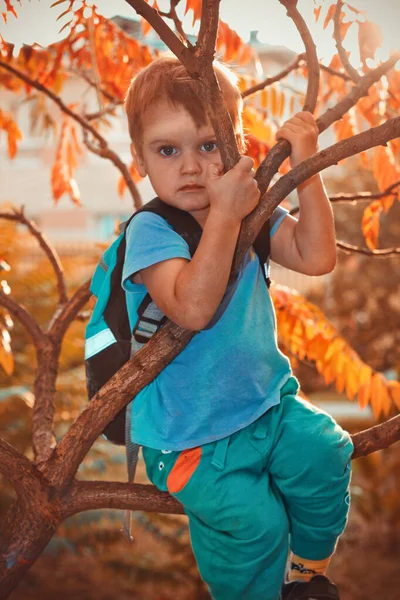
47, 247
348, 67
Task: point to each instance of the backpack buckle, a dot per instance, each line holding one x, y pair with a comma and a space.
145, 328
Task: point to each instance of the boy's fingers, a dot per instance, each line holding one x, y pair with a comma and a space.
215, 170
306, 116
246, 163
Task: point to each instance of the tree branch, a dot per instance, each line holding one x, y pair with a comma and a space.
17, 469
207, 38
101, 113
177, 22
365, 196
295, 64
106, 152
89, 495
376, 438
380, 253
350, 70
270, 80
85, 77
69, 312
166, 34
353, 198
46, 246
334, 72
360, 196
282, 149
359, 90
19, 312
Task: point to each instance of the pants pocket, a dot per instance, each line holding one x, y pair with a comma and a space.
184, 468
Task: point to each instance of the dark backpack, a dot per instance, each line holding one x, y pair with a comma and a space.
109, 340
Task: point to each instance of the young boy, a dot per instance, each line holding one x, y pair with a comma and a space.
258, 470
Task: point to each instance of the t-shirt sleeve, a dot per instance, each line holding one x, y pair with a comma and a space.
276, 219
150, 240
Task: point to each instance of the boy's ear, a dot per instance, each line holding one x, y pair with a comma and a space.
138, 160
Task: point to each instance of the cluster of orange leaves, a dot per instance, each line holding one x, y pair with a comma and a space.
305, 332
380, 104
93, 44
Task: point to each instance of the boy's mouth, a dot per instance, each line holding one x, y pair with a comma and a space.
191, 187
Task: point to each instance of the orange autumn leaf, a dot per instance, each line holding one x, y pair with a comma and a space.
380, 400
122, 183
9, 9
369, 39
195, 6
344, 128
344, 27
274, 101
364, 394
146, 27
317, 12
329, 15
62, 172
231, 45
13, 133
246, 54
6, 356
394, 391
370, 223
351, 379
385, 170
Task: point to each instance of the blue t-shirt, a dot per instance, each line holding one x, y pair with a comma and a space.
228, 375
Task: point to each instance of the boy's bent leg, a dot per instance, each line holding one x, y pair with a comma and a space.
310, 465
238, 524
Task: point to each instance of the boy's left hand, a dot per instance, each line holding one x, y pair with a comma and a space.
302, 133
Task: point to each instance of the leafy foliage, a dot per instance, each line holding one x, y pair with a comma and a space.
305, 333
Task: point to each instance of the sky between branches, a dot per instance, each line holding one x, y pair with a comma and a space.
37, 22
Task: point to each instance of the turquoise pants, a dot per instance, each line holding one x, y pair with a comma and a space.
280, 483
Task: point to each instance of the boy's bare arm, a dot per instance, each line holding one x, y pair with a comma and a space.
189, 292
306, 245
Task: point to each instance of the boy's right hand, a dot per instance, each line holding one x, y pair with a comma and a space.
233, 194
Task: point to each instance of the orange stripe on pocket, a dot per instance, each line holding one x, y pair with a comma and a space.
183, 469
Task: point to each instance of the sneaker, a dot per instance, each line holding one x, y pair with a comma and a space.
318, 588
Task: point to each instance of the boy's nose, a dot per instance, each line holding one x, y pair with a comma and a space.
190, 165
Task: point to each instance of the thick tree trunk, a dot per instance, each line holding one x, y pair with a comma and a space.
24, 533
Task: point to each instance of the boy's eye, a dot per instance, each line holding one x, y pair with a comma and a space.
209, 146
167, 150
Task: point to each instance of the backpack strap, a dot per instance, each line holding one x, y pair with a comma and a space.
262, 247
180, 220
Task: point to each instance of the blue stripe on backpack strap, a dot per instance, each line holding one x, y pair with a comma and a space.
98, 342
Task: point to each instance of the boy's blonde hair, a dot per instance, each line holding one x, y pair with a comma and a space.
166, 79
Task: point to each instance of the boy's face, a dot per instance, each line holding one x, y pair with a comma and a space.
175, 155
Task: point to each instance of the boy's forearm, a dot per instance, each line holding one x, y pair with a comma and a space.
201, 285
315, 230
